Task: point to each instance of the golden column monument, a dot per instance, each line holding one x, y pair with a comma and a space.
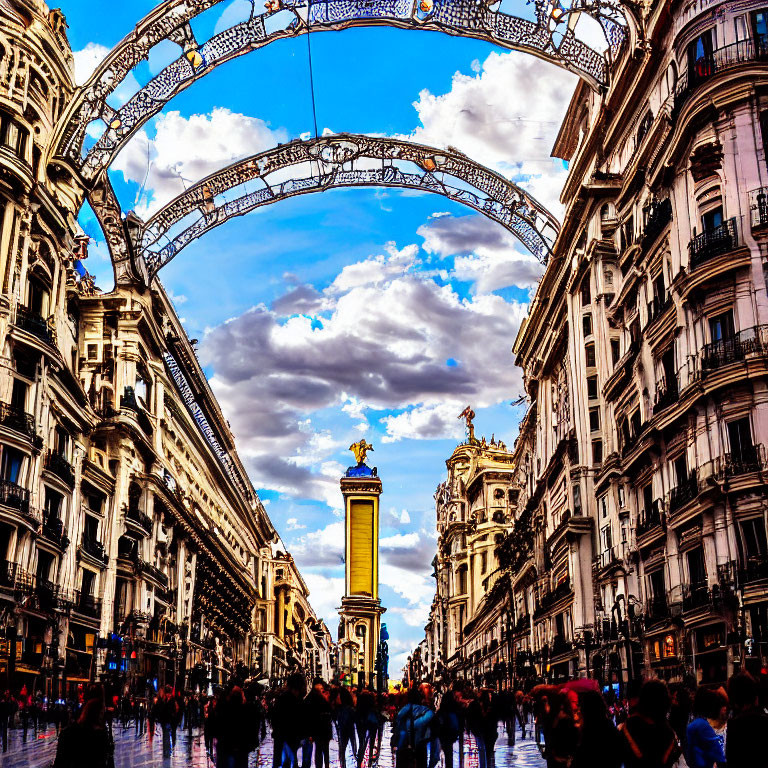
360, 625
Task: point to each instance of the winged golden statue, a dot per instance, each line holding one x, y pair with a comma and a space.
361, 450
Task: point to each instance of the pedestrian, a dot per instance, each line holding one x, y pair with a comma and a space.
410, 734
289, 722
165, 713
555, 721
450, 719
87, 742
483, 723
599, 743
746, 745
6, 713
705, 748
344, 711
233, 730
367, 723
680, 713
208, 718
649, 741
319, 718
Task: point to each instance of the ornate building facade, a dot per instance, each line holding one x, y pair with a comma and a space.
134, 548
639, 545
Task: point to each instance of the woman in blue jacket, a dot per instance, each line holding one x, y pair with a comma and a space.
705, 747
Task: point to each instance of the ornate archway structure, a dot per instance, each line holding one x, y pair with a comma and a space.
344, 160
548, 34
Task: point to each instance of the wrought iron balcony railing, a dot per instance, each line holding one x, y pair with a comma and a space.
696, 596
656, 610
734, 349
741, 52
751, 458
758, 204
137, 516
54, 530
666, 394
657, 216
56, 463
36, 325
94, 548
14, 496
686, 490
713, 242
143, 567
650, 519
16, 419
88, 605
755, 569
658, 306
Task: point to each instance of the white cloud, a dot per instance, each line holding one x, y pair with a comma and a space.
186, 149
87, 59
292, 524
324, 596
324, 547
425, 422
488, 117
377, 269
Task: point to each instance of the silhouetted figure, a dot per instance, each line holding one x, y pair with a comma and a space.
86, 743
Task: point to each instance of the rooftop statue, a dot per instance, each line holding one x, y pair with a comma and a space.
469, 415
361, 450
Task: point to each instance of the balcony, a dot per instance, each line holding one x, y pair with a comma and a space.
608, 558
758, 205
87, 605
55, 531
734, 349
16, 419
140, 519
658, 306
686, 491
152, 572
59, 466
724, 58
756, 569
548, 599
94, 549
129, 402
14, 496
656, 610
650, 519
712, 243
657, 216
523, 624
750, 459
560, 645
696, 596
666, 394
36, 325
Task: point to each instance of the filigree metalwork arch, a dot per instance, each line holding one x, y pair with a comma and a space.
549, 34
344, 160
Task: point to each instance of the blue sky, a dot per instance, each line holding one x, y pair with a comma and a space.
349, 313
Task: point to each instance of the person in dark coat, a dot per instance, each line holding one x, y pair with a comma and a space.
234, 730
367, 720
319, 720
165, 712
600, 744
86, 743
344, 711
483, 723
289, 721
746, 745
450, 718
6, 713
649, 741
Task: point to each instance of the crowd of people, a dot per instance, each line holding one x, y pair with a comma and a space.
575, 725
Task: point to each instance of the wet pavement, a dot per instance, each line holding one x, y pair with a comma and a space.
131, 751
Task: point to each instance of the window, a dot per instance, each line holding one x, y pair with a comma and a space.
88, 583
143, 390
656, 584
721, 326
591, 360
597, 451
637, 425
53, 503
576, 499
586, 322
681, 469
12, 135
592, 387
91, 528
615, 351
697, 573
644, 127
659, 291
586, 293
594, 419
19, 394
711, 220
700, 55
10, 465
484, 562
754, 538
61, 442
462, 580
93, 351
760, 29
740, 438
648, 497
44, 565
606, 540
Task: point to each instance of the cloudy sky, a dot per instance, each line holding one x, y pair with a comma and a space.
351, 313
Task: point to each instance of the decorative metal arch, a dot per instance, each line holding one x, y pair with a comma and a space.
345, 160
550, 36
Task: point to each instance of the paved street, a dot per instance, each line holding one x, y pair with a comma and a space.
130, 752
